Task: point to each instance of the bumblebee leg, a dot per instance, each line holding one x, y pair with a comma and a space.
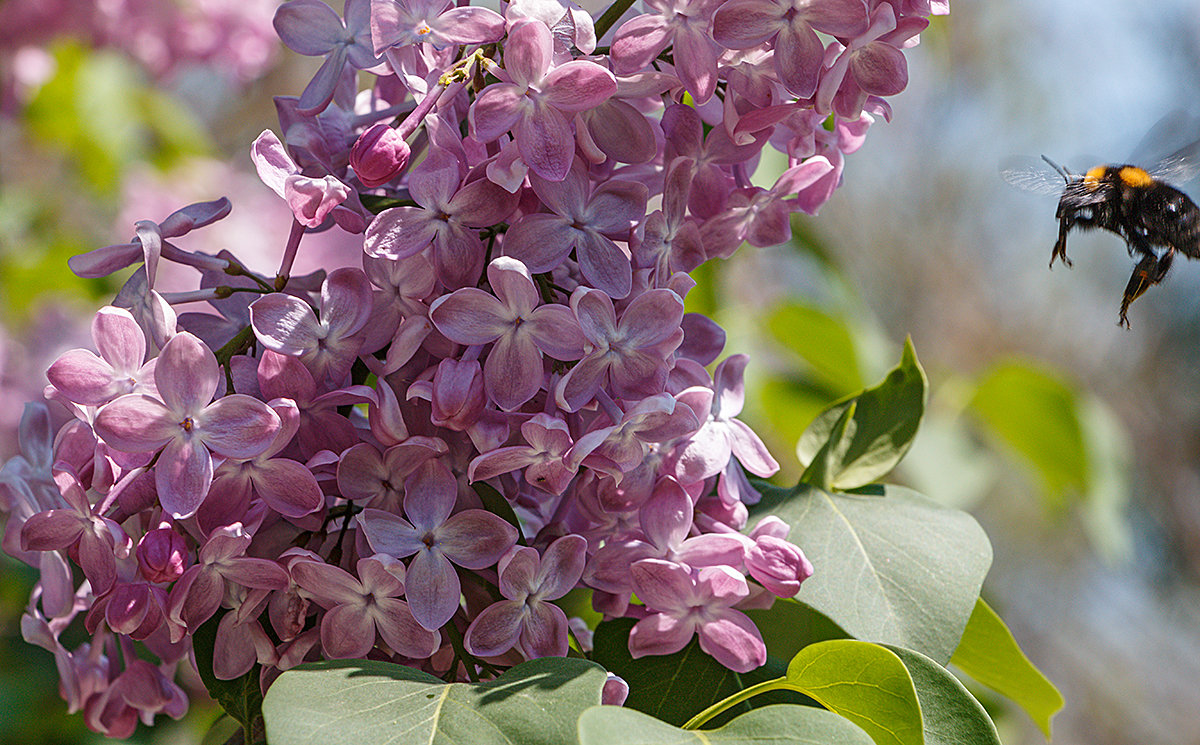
1149, 271
1060, 246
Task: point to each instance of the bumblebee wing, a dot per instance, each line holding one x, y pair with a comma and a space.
1032, 175
1177, 135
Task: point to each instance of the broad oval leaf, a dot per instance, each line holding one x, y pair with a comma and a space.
895, 569
1036, 415
671, 687
879, 427
949, 713
357, 702
989, 654
863, 682
780, 724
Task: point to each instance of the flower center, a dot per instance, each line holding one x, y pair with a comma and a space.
187, 424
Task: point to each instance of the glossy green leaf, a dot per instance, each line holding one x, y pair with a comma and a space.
863, 682
882, 423
895, 568
241, 698
357, 702
781, 724
949, 713
989, 654
823, 341
672, 687
788, 626
1035, 415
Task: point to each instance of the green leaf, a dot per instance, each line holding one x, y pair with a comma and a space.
824, 341
883, 422
1035, 415
863, 682
827, 461
355, 702
950, 714
672, 687
989, 654
241, 698
895, 569
788, 626
781, 724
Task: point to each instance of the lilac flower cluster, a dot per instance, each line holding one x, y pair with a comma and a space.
413, 460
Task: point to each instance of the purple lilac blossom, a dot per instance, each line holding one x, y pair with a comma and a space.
324, 453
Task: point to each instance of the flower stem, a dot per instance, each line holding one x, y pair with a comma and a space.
734, 700
614, 12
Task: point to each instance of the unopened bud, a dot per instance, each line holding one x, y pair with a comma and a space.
162, 555
378, 155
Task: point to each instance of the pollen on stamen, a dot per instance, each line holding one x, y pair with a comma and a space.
187, 424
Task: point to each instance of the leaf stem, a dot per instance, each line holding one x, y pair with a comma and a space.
735, 699
611, 16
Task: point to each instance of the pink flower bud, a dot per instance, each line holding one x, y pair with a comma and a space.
378, 155
162, 555
778, 565
458, 395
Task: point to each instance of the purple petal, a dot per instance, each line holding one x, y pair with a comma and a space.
430, 493
798, 56
616, 207
734, 641
475, 539
841, 18
652, 317
288, 487
659, 634
119, 339
389, 534
401, 632
84, 378
496, 629
399, 232
432, 589
580, 85
596, 314
330, 585
187, 374
458, 256
347, 632
262, 574
102, 262
880, 69
512, 283
271, 161
621, 132
545, 632
696, 61
741, 24
546, 142
308, 27
556, 332
604, 264
317, 95
519, 572
499, 461
528, 52
497, 110
561, 567
581, 382
182, 476
283, 324
540, 241
513, 370
481, 204
136, 423
568, 197
662, 585
470, 316
469, 25
750, 450
345, 301
238, 426
639, 40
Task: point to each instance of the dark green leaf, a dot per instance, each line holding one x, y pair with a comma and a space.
789, 626
358, 702
782, 724
896, 569
950, 713
241, 698
882, 424
673, 687
989, 654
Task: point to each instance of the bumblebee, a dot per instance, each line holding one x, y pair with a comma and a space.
1156, 220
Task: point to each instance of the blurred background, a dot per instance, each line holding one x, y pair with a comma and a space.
1075, 442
